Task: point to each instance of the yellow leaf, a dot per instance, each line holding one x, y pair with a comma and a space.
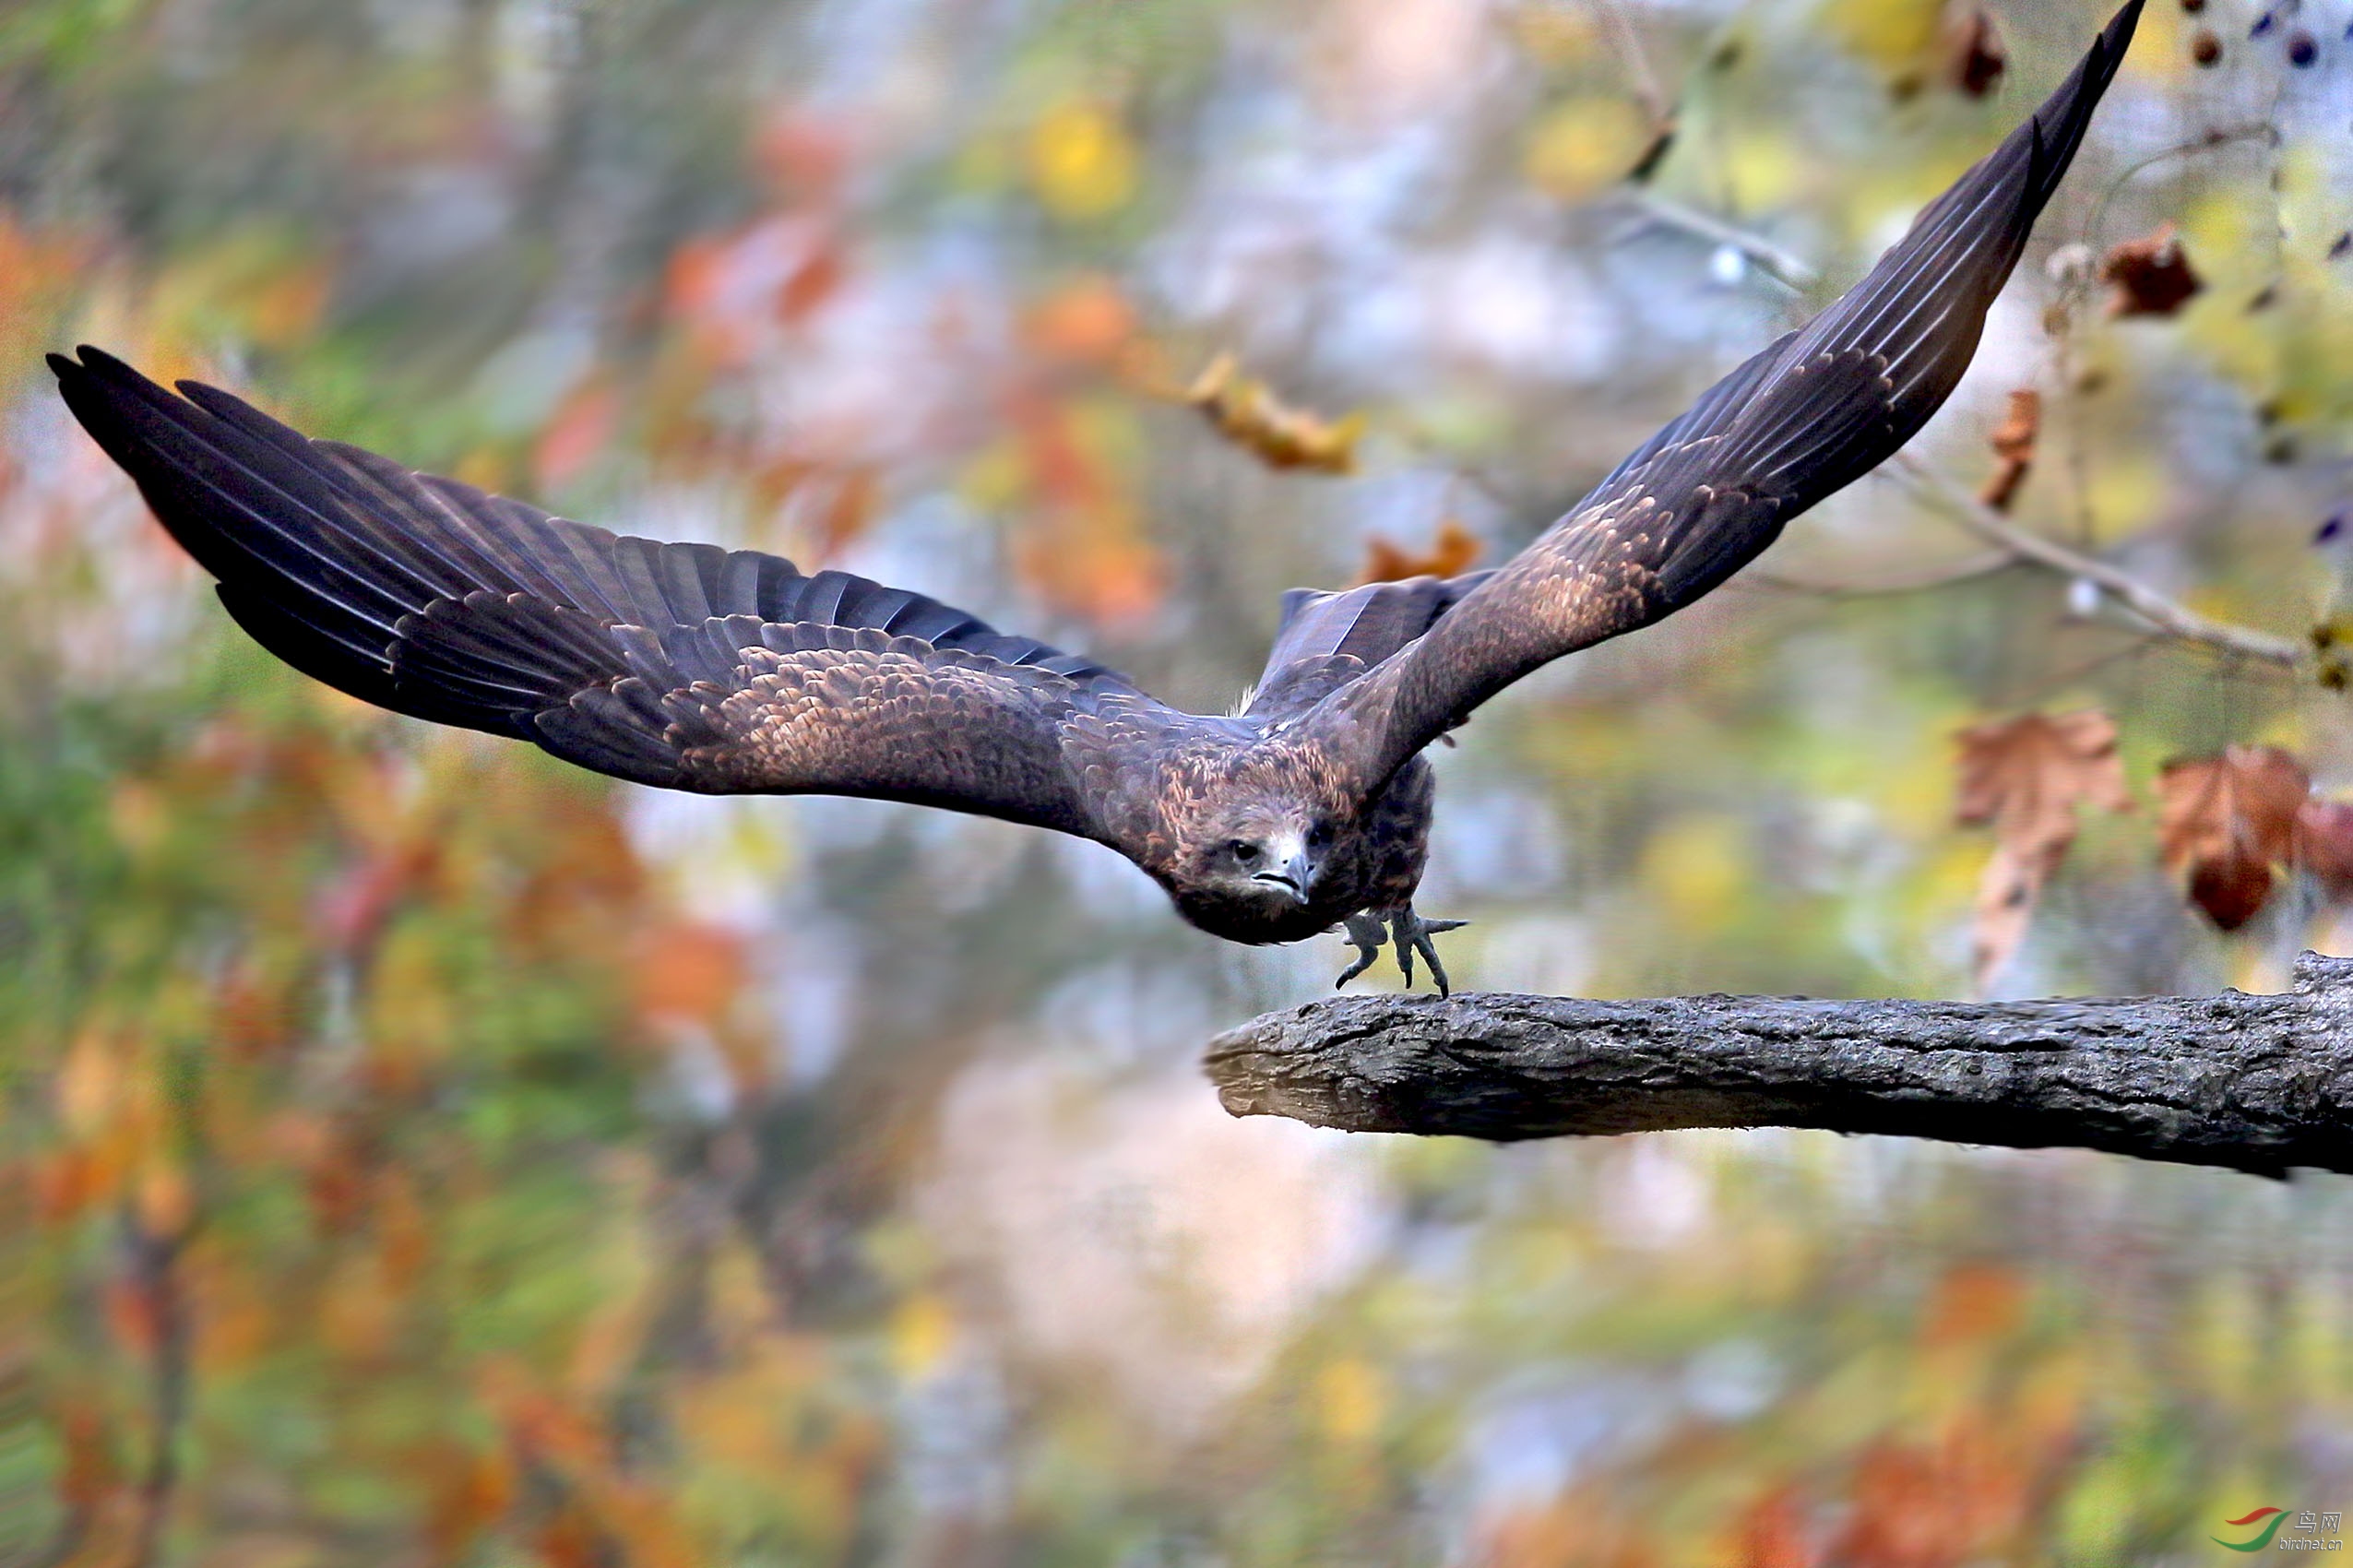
1082, 162
88, 1084
920, 1333
1895, 35
1586, 144
1698, 866
1350, 1397
1246, 413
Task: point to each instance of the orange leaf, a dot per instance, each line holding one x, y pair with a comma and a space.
570, 1539
689, 972
805, 155
2151, 276
1456, 550
2226, 822
1772, 1533
1974, 1301
2014, 443
1087, 321
845, 513
2324, 844
469, 1492
582, 428
2025, 778
1249, 416
811, 283
89, 1471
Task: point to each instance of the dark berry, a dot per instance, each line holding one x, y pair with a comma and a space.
2205, 49
2193, 7
2301, 50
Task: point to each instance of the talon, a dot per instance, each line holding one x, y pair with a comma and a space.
1412, 934
1437, 970
1406, 934
1365, 934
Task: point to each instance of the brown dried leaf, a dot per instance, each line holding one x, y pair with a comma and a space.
2226, 821
2025, 779
1455, 549
2323, 845
2151, 276
2014, 443
1249, 416
1977, 57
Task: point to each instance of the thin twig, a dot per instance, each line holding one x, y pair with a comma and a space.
2254, 131
2167, 616
1637, 60
1982, 565
1783, 268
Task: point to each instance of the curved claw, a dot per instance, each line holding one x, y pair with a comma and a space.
1407, 934
1365, 934
1413, 936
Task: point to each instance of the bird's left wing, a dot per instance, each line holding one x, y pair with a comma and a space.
685, 666
1812, 412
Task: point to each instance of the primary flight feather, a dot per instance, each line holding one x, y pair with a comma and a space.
691, 667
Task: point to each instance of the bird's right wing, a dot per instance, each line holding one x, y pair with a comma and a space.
1812, 412
680, 665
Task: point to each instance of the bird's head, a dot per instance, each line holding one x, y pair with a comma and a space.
1257, 871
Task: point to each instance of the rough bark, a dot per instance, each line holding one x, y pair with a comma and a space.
2262, 1084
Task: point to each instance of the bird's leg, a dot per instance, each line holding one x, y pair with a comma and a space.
1365, 934
1412, 934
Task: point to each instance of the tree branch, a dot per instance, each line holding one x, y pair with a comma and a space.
2260, 1084
1982, 565
2173, 619
1784, 268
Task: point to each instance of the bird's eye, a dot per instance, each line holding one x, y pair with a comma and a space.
1243, 850
1319, 835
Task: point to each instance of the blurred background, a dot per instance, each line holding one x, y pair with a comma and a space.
419, 1153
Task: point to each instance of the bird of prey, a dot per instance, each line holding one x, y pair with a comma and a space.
691, 667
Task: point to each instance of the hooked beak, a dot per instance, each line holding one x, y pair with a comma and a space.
1297, 874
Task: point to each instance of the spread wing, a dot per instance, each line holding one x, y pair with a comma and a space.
1812, 412
680, 665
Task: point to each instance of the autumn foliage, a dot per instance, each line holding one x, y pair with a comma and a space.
2026, 779
2229, 827
413, 1152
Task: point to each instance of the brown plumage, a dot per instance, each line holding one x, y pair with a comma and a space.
693, 668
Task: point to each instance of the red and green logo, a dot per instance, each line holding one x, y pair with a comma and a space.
2262, 1538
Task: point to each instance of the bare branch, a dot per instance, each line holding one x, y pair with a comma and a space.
2262, 1084
2167, 616
1782, 267
2261, 131
1982, 565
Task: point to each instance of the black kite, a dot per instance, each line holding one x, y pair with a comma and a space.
692, 666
